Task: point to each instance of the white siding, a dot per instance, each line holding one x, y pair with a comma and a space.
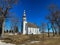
38, 31
24, 27
33, 30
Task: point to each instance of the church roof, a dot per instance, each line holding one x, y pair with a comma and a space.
32, 25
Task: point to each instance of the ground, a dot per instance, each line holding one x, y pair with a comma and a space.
3, 43
32, 40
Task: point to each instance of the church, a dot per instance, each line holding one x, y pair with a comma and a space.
29, 28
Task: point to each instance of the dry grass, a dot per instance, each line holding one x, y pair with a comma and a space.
52, 41
20, 39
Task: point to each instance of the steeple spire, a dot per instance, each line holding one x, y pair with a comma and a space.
24, 16
24, 13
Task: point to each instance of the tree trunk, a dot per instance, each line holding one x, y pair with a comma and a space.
3, 28
53, 30
48, 30
0, 29
48, 33
59, 30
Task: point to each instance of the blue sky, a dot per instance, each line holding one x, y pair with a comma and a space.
36, 10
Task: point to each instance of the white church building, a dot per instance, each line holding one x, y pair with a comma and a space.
29, 28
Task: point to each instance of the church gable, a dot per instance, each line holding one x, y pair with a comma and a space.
31, 25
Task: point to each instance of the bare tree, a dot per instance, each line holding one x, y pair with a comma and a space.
53, 17
57, 19
15, 22
16, 29
48, 29
43, 29
5, 6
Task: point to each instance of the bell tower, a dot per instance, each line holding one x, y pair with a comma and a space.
24, 23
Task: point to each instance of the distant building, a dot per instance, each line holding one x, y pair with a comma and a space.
29, 28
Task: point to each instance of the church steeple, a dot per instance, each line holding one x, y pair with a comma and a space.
24, 23
24, 16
